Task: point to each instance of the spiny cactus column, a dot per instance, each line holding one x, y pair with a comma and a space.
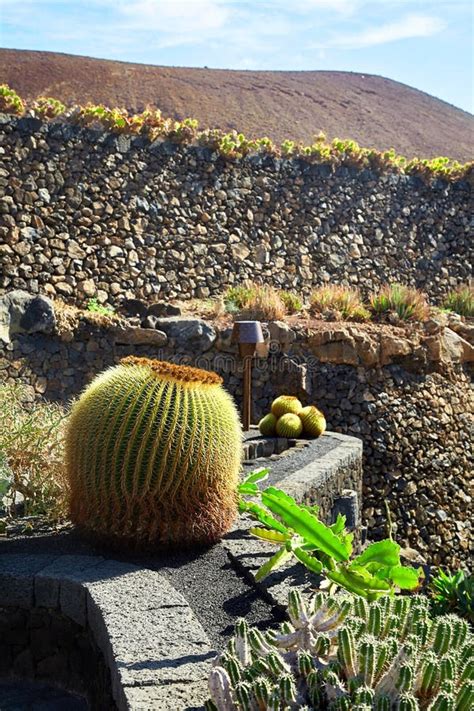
153, 453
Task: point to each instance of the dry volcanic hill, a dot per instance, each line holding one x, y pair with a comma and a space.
374, 111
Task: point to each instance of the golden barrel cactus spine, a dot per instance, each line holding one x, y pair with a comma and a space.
153, 454
267, 425
285, 404
314, 422
289, 425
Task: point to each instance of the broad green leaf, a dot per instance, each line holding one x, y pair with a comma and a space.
362, 584
386, 552
340, 579
257, 475
304, 523
313, 564
338, 525
247, 489
266, 535
406, 578
278, 559
261, 515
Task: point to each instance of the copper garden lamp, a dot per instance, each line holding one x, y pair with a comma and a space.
247, 334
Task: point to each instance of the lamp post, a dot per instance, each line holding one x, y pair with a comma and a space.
247, 334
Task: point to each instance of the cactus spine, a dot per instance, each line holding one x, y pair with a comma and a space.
314, 422
289, 426
286, 404
153, 452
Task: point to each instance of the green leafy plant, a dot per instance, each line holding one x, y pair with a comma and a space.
292, 302
32, 453
453, 592
344, 654
324, 550
461, 301
409, 304
10, 102
49, 108
153, 453
234, 145
237, 297
94, 307
343, 301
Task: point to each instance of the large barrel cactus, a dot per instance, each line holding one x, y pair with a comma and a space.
153, 452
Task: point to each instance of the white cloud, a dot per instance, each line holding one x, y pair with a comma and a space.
180, 17
408, 27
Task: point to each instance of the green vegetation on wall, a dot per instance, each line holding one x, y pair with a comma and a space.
235, 145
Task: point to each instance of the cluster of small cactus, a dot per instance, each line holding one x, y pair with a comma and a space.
288, 418
153, 453
234, 145
342, 653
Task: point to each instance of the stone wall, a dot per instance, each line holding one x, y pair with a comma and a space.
42, 645
404, 393
87, 214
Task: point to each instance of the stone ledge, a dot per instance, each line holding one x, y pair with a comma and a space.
153, 654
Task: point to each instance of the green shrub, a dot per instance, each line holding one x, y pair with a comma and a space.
409, 304
292, 302
10, 102
94, 307
49, 108
342, 300
453, 592
31, 453
345, 654
264, 304
237, 297
461, 301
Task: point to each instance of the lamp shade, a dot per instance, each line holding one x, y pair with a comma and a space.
247, 332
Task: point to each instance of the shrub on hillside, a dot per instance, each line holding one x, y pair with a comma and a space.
292, 301
342, 301
46, 107
407, 303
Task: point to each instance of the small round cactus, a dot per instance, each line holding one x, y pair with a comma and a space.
286, 404
267, 425
289, 426
314, 422
153, 453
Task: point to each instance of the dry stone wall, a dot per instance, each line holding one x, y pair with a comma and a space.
89, 214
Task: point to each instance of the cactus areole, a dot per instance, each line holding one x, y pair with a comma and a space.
153, 453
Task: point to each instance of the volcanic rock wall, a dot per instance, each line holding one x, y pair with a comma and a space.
88, 214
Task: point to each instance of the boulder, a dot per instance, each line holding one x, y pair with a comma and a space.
393, 348
281, 333
163, 309
134, 308
137, 336
334, 346
21, 312
188, 332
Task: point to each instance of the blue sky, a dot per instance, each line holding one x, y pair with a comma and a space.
424, 43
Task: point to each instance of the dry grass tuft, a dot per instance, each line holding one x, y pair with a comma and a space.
461, 301
407, 303
264, 303
341, 302
68, 317
31, 453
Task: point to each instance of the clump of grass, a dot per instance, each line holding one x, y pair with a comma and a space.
407, 303
292, 301
96, 308
264, 304
461, 301
68, 317
237, 297
344, 302
31, 453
